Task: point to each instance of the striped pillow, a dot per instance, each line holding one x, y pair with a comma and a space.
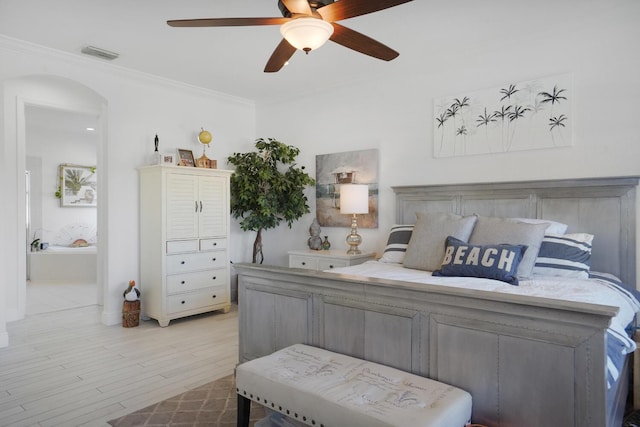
399, 237
566, 255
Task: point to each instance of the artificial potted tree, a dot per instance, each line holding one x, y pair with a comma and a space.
267, 188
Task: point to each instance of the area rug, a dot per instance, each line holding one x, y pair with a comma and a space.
213, 404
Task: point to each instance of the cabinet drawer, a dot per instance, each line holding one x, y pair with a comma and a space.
198, 299
212, 244
193, 281
182, 263
328, 264
297, 261
179, 246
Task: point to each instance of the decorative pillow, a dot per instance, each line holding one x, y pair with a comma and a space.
567, 255
397, 242
499, 262
426, 247
554, 227
491, 231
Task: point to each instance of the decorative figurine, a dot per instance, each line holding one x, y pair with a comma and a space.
132, 293
315, 241
131, 306
156, 158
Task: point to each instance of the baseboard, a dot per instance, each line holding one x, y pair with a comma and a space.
11, 315
111, 318
4, 339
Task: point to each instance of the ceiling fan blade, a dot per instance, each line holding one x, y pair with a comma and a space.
361, 43
226, 22
279, 57
297, 6
345, 9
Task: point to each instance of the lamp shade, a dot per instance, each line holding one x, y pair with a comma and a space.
354, 199
306, 33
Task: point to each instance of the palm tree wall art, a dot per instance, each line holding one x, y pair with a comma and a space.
519, 116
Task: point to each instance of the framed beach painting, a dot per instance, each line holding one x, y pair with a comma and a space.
351, 167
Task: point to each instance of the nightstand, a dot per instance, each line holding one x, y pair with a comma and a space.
326, 260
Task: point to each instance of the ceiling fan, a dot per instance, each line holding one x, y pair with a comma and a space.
308, 24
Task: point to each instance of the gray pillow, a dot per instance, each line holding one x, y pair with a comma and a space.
425, 250
493, 231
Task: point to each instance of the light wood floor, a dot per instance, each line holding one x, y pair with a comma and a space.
64, 368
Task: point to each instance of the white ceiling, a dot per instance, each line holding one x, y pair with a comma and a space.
231, 60
61, 121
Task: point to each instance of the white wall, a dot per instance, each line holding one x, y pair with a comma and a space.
138, 107
393, 113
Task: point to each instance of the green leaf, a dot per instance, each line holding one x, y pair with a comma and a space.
261, 194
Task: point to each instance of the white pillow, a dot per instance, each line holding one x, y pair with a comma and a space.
553, 228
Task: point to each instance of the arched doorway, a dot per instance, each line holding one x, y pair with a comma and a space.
18, 94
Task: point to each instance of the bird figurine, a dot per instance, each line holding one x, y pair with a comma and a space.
131, 294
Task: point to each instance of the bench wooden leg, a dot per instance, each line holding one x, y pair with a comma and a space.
244, 411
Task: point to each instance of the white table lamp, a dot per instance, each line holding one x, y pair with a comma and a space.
354, 199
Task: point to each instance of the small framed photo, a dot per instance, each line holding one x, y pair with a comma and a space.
185, 158
167, 159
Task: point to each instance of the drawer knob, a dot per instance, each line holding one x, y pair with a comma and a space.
214, 277
182, 262
183, 302
215, 243
331, 266
214, 296
182, 283
213, 259
304, 263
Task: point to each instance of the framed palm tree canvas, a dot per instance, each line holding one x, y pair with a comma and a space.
515, 116
77, 186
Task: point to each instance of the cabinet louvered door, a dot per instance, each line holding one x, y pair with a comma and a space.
184, 250
182, 207
213, 217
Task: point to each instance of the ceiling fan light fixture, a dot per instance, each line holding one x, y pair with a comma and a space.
306, 33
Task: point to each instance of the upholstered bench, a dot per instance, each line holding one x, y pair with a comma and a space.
325, 389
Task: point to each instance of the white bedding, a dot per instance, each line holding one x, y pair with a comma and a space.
578, 290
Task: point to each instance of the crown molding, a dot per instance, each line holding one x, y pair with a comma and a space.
36, 50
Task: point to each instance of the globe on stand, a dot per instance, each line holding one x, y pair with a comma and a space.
204, 138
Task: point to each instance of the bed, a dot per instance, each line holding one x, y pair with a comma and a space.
527, 359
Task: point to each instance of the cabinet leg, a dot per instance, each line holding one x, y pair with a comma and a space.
226, 309
163, 323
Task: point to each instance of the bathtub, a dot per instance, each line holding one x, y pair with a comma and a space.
63, 263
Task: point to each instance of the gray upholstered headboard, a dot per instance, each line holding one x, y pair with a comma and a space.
604, 207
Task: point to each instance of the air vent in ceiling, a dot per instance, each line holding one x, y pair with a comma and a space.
100, 53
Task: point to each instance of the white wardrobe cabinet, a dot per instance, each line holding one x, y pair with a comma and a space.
184, 241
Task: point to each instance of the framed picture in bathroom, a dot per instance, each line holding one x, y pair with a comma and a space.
77, 186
